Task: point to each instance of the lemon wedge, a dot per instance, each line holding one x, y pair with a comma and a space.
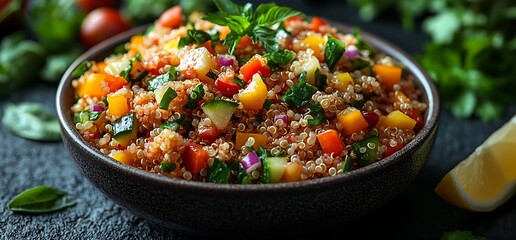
487, 178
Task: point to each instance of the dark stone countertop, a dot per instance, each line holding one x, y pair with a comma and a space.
418, 213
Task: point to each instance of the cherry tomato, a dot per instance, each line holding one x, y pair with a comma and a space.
227, 86
101, 24
90, 5
172, 18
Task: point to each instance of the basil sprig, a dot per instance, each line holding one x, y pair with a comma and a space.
40, 199
242, 21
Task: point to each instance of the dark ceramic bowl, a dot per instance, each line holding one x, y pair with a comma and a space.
222, 209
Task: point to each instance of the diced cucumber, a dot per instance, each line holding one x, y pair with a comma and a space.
164, 95
367, 150
273, 169
125, 129
220, 112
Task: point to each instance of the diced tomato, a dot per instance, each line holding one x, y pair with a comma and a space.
244, 41
316, 23
172, 18
227, 86
390, 150
195, 158
209, 133
416, 115
115, 82
208, 46
254, 65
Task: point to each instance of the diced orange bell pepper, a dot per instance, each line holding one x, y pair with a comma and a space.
292, 172
241, 139
135, 43
93, 85
353, 121
398, 119
344, 80
123, 157
389, 75
244, 41
195, 158
330, 142
117, 105
115, 82
317, 44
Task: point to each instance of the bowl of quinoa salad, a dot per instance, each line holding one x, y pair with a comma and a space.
212, 127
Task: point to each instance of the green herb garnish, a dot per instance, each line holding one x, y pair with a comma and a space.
40, 199
299, 94
81, 69
196, 95
126, 73
243, 21
86, 115
218, 172
194, 36
317, 112
279, 58
171, 75
333, 51
167, 166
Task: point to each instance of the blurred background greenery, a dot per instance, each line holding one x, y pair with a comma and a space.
470, 54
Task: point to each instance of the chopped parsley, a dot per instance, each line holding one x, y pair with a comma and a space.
299, 94
196, 95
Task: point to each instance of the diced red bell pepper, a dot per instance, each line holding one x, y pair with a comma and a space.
195, 158
253, 66
227, 86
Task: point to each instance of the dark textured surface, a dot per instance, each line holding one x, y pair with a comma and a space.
417, 214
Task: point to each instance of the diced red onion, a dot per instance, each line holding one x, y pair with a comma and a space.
97, 108
250, 162
282, 117
352, 51
371, 118
226, 61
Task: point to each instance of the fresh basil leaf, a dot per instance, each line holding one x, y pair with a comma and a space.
333, 51
228, 7
270, 14
218, 172
31, 120
231, 41
40, 199
194, 36
267, 37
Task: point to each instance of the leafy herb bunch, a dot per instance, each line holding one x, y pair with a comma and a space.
472, 50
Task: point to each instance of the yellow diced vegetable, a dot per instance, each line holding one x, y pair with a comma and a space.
311, 67
123, 157
292, 172
117, 105
343, 81
398, 119
316, 44
241, 139
352, 121
254, 95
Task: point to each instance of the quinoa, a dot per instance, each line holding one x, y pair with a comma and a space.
122, 109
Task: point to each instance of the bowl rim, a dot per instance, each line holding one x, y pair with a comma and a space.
422, 80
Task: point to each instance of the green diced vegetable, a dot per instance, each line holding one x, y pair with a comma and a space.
220, 112
239, 82
40, 199
211, 75
299, 94
333, 51
164, 95
267, 104
167, 166
218, 172
367, 150
125, 128
171, 75
86, 115
174, 125
273, 169
320, 79
126, 73
348, 165
196, 95
32, 121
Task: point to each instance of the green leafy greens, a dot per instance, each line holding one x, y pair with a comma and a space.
299, 94
40, 199
471, 53
243, 21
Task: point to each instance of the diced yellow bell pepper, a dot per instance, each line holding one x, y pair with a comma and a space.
353, 121
343, 81
400, 97
117, 105
316, 44
123, 157
311, 67
399, 120
241, 139
254, 95
135, 43
292, 172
